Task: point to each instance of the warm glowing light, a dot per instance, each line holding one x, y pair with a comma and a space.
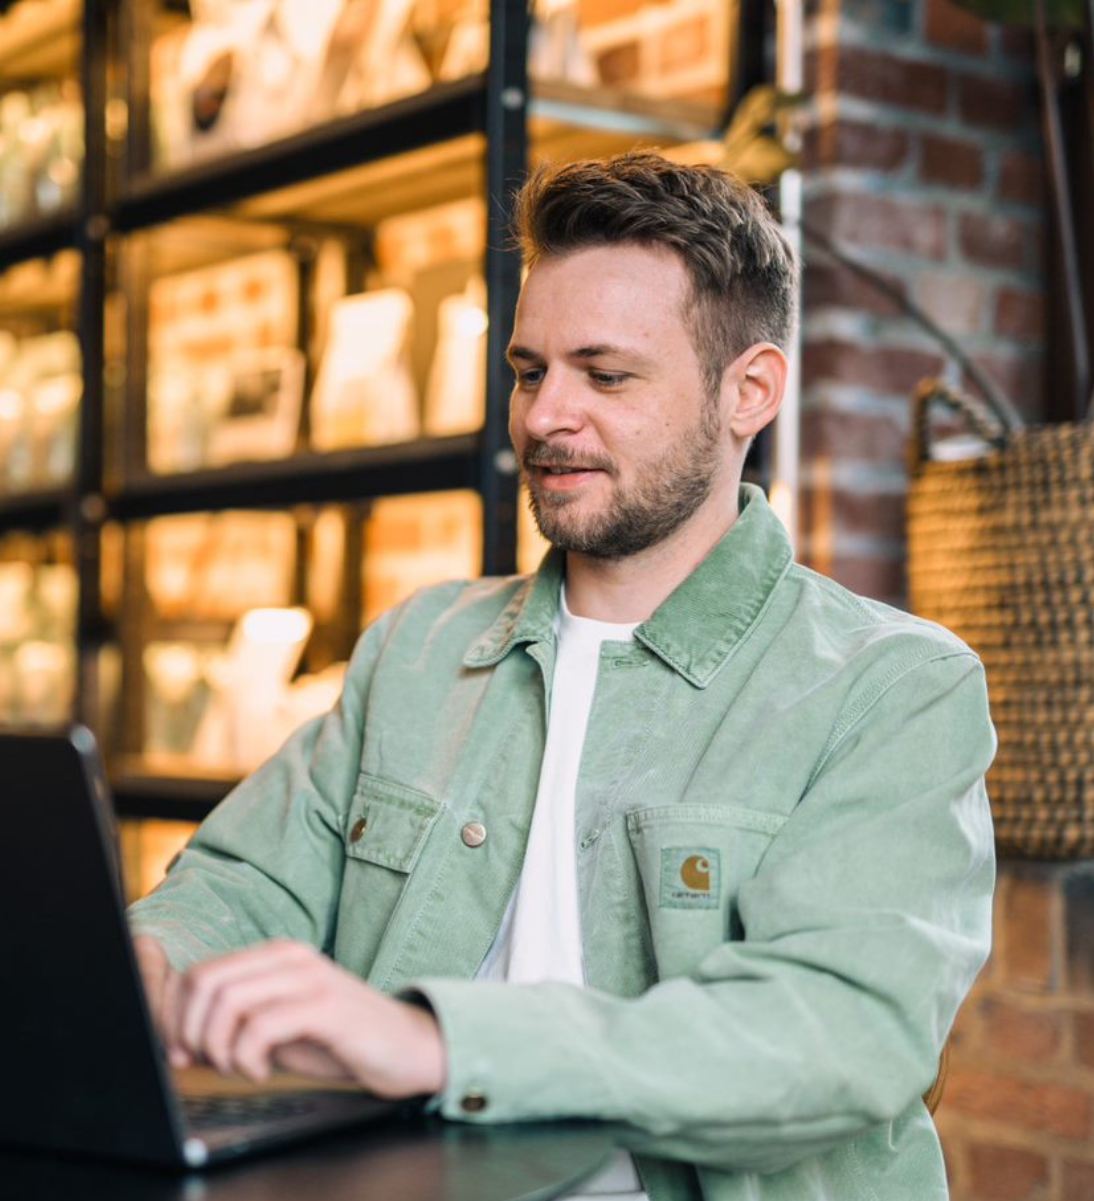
471, 322
11, 405
782, 501
276, 625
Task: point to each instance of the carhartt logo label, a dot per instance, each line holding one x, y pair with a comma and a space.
691, 878
696, 873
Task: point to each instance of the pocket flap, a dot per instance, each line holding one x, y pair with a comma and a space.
388, 823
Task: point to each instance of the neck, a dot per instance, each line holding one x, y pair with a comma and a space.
630, 589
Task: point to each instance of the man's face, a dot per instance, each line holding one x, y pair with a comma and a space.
619, 443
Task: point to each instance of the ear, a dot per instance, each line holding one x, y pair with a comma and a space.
758, 376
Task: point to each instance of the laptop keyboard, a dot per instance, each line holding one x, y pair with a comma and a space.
217, 1110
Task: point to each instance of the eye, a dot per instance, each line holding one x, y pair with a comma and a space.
527, 377
608, 379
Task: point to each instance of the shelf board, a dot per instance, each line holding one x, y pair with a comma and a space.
33, 511
310, 478
183, 797
405, 156
37, 238
446, 112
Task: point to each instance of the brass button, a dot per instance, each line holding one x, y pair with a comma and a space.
359, 828
473, 834
473, 1101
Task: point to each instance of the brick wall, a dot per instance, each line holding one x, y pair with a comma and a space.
923, 160
1018, 1111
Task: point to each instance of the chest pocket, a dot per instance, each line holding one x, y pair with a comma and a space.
692, 860
386, 828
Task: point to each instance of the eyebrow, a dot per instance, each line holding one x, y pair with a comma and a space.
596, 351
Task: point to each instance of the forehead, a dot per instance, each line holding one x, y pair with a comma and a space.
629, 286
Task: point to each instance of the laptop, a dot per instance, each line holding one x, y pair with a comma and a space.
83, 1068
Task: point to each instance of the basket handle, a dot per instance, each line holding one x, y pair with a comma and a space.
975, 412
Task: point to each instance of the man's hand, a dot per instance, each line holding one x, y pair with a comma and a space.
285, 1005
161, 983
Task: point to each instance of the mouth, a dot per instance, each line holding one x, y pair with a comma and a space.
559, 478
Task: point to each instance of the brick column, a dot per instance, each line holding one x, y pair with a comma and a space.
922, 161
1018, 1113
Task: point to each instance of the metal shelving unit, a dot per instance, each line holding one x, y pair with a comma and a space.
462, 138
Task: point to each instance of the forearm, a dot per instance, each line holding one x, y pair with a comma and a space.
764, 1067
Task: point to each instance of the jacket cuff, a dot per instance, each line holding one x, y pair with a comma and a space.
514, 1051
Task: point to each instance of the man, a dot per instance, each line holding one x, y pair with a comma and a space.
674, 833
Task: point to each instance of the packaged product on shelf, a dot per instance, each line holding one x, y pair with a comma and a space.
250, 561
41, 150
467, 41
262, 414
175, 697
174, 553
247, 683
16, 589
54, 404
372, 58
235, 77
215, 566
456, 393
45, 678
225, 381
37, 657
412, 541
555, 47
244, 74
40, 390
364, 392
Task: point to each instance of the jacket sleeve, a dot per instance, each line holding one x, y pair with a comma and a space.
268, 861
865, 926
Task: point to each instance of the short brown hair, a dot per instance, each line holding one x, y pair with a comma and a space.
744, 279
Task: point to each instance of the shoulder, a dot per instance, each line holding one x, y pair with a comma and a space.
857, 626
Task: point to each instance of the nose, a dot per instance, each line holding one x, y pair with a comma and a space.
554, 407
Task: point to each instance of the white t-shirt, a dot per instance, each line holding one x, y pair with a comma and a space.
540, 935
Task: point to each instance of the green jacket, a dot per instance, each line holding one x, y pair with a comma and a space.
784, 861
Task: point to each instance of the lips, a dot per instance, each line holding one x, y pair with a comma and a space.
557, 461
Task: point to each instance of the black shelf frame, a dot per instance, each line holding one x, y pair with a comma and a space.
445, 112
34, 512
498, 106
176, 798
364, 473
39, 238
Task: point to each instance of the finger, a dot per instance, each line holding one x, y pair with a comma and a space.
310, 1059
280, 1024
170, 1004
235, 1002
201, 984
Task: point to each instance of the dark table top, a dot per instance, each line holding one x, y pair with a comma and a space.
419, 1159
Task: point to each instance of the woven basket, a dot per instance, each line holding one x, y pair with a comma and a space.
1001, 550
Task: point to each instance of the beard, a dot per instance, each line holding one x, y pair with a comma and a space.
672, 487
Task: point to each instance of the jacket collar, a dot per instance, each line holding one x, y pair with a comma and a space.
697, 627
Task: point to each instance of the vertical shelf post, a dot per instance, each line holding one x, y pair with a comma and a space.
86, 507
506, 162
